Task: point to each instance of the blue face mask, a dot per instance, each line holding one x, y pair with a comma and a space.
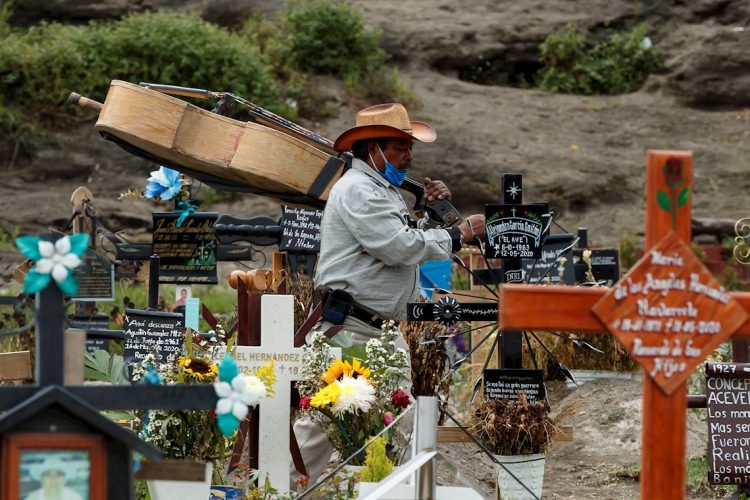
392, 174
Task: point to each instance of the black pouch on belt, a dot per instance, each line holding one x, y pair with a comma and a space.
337, 304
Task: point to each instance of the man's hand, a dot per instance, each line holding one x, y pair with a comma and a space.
472, 228
436, 190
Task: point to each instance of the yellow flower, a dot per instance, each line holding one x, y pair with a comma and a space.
198, 368
340, 369
359, 370
327, 395
266, 375
337, 370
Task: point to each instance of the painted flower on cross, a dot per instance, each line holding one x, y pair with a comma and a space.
673, 172
53, 261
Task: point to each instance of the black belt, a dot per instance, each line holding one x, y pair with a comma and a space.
356, 311
367, 316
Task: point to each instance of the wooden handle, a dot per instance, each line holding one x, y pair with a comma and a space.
84, 102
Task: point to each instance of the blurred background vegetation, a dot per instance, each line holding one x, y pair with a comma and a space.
268, 61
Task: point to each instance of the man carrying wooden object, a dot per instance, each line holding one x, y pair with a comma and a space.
370, 248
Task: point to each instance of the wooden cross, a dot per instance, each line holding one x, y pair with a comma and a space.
668, 311
277, 330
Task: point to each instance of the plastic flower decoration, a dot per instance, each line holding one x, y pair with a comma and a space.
164, 184
53, 261
237, 392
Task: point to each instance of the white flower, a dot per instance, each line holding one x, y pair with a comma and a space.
57, 259
354, 394
234, 398
645, 43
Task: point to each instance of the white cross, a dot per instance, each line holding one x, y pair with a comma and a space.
277, 341
514, 211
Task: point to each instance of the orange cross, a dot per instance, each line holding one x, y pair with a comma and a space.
668, 311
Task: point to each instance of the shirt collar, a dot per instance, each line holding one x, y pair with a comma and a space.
358, 164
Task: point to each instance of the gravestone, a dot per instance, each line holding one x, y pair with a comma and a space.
155, 332
188, 251
728, 410
300, 230
277, 343
508, 384
684, 316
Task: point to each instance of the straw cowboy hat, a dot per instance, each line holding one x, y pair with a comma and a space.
384, 120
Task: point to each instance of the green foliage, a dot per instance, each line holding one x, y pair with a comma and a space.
377, 466
41, 66
103, 367
329, 37
628, 251
616, 66
8, 238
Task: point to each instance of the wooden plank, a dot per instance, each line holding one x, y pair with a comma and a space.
176, 470
457, 435
658, 221
75, 351
557, 307
15, 366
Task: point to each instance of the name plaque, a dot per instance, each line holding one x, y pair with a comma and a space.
669, 312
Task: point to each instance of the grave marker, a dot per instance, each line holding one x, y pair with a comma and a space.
668, 216
152, 331
508, 384
727, 406
51, 409
277, 342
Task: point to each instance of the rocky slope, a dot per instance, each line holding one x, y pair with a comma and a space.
585, 155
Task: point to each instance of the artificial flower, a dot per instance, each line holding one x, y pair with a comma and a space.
53, 261
236, 392
355, 394
400, 399
164, 184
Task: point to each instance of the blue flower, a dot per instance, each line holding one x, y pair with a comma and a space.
53, 261
164, 184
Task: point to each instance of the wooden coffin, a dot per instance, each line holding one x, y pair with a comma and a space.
235, 152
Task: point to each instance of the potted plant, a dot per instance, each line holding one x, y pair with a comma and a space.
518, 434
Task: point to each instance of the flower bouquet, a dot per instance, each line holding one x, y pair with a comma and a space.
354, 398
198, 434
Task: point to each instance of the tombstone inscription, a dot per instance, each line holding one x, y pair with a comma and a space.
152, 331
727, 403
508, 384
515, 231
187, 251
300, 229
